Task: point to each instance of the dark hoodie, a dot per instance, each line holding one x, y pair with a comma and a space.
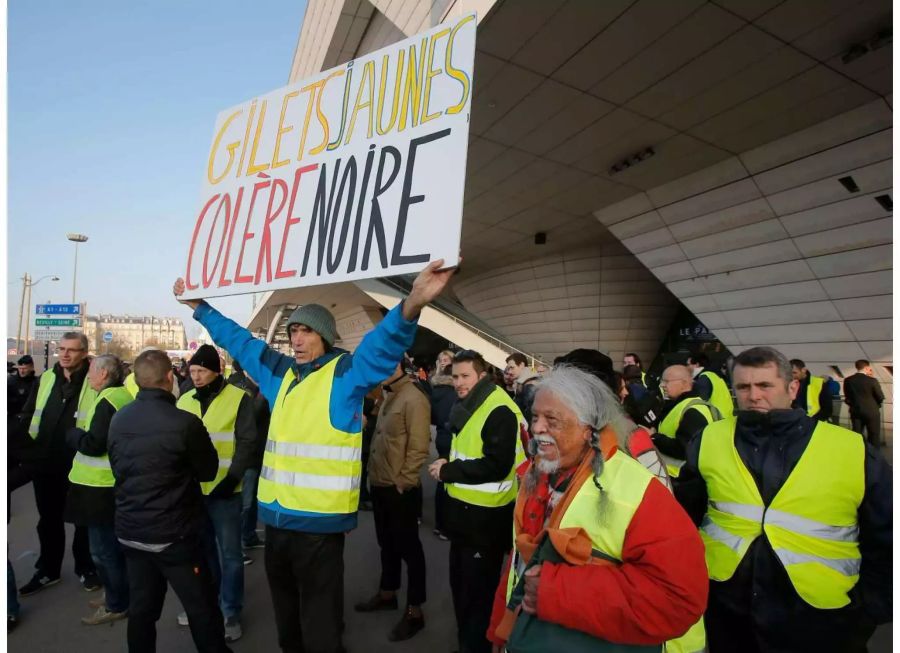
759, 602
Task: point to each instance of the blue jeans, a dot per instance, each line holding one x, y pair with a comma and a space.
248, 507
222, 543
12, 595
106, 552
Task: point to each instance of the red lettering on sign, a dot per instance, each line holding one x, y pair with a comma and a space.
290, 221
187, 274
248, 235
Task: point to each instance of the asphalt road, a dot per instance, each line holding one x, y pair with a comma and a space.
50, 620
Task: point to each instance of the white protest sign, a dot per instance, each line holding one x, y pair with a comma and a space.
354, 173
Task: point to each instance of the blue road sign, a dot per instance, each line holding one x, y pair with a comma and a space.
107, 336
58, 309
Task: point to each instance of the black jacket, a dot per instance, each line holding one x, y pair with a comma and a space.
475, 525
49, 453
18, 389
770, 445
159, 455
863, 394
87, 505
825, 400
247, 451
443, 396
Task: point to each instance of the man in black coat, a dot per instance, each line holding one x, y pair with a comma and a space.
19, 385
779, 591
159, 455
862, 393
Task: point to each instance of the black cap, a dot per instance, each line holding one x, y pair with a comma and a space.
207, 356
25, 360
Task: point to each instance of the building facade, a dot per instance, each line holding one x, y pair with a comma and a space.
134, 332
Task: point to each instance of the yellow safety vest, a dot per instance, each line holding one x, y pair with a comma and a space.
309, 465
669, 426
95, 471
131, 385
721, 395
811, 523
219, 421
813, 391
85, 401
467, 445
624, 483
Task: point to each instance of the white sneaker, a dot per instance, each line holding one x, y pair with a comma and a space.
183, 619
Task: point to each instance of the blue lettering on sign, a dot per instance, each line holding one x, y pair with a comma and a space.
58, 309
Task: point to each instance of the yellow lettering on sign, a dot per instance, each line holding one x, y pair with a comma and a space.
414, 73
231, 147
382, 130
456, 73
368, 78
252, 166
323, 119
312, 88
282, 130
246, 138
430, 72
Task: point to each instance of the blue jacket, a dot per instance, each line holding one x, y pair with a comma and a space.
373, 361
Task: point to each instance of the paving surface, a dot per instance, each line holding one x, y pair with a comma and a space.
50, 620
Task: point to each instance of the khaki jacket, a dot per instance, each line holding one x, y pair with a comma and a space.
402, 436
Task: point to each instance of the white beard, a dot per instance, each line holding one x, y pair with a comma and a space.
544, 465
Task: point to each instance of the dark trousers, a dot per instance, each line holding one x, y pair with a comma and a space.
50, 496
868, 424
397, 532
249, 506
306, 578
474, 574
440, 500
109, 560
183, 566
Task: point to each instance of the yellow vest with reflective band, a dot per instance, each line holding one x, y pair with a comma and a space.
219, 421
95, 470
721, 396
85, 401
131, 385
624, 482
309, 465
813, 391
669, 426
811, 523
467, 445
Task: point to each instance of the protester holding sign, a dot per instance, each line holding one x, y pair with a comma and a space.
309, 484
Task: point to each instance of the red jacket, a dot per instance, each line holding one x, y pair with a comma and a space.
656, 594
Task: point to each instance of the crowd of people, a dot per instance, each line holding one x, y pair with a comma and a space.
586, 508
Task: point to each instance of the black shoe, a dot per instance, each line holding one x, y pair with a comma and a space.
365, 506
90, 581
377, 603
11, 622
36, 584
247, 560
406, 627
258, 543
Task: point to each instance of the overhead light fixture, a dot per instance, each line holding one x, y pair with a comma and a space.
540, 238
632, 160
849, 183
886, 202
882, 38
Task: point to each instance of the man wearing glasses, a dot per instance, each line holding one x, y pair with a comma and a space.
58, 402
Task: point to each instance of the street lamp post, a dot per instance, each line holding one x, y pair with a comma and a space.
76, 238
27, 285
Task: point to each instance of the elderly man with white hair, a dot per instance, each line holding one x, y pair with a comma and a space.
602, 551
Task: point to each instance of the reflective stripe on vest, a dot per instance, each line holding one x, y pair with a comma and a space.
467, 445
811, 526
721, 396
131, 385
85, 400
94, 471
308, 464
813, 392
219, 420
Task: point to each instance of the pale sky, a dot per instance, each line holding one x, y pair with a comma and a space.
111, 107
